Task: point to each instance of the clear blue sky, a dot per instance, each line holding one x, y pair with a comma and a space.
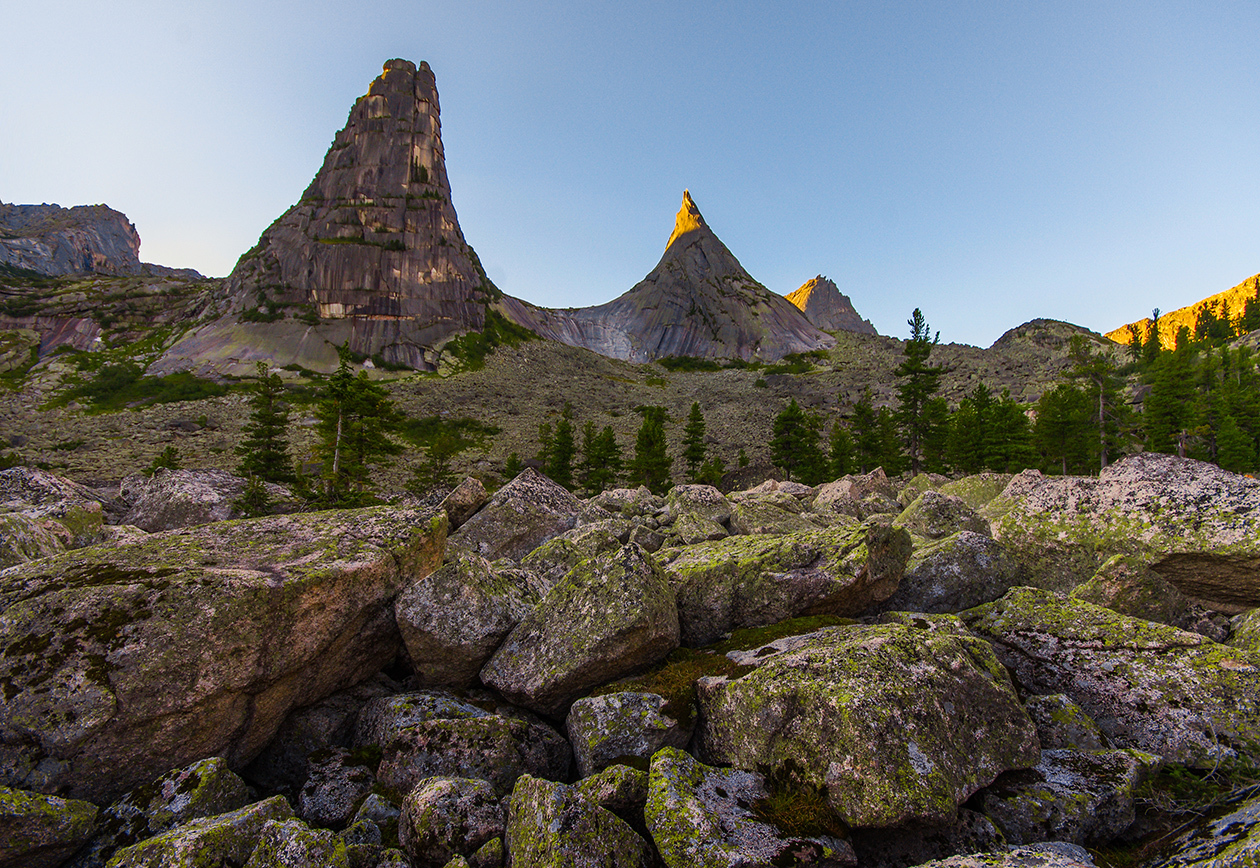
988, 162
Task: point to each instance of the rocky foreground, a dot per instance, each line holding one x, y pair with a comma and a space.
873, 672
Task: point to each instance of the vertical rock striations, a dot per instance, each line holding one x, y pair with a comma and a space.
827, 307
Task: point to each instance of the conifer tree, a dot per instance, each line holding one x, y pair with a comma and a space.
559, 468
355, 421
794, 446
512, 467
1012, 449
1168, 407
867, 449
1152, 347
919, 382
1062, 431
601, 459
1234, 449
840, 452
651, 463
1102, 381
891, 456
693, 442
265, 451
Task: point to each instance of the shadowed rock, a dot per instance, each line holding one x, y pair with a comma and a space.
827, 307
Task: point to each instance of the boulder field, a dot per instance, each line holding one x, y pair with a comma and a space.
993, 671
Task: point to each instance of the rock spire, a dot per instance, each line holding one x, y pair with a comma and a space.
827, 307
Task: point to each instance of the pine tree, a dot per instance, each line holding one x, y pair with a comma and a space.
840, 451
546, 441
891, 457
1012, 449
712, 472
693, 442
436, 470
560, 466
1103, 384
355, 421
1167, 409
651, 463
512, 467
919, 382
1234, 450
1062, 432
601, 459
1152, 347
867, 451
264, 451
794, 447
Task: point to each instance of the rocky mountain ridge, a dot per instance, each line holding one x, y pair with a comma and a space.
827, 307
1229, 303
633, 680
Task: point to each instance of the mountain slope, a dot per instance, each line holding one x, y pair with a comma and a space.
697, 301
1228, 303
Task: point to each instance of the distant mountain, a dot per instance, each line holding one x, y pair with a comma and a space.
86, 239
697, 301
827, 307
1228, 303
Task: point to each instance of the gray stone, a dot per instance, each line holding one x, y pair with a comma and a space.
952, 574
551, 825
619, 788
336, 784
1019, 857
1062, 724
618, 727
552, 560
827, 307
609, 616
171, 499
690, 528
446, 817
704, 501
1126, 584
1231, 841
452, 621
521, 516
699, 815
293, 844
916, 843
464, 501
934, 516
224, 839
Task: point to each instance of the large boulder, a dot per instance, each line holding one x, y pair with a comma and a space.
38, 831
120, 661
976, 491
1126, 584
224, 839
551, 825
1076, 796
952, 574
933, 516
42, 514
898, 722
203, 789
337, 782
521, 516
1229, 841
609, 616
1196, 524
620, 727
750, 581
552, 560
25, 538
171, 499
699, 815
1148, 686
1043, 856
769, 514
453, 620
293, 844
1062, 724
446, 817
702, 500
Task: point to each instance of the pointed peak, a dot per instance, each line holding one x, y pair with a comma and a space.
687, 220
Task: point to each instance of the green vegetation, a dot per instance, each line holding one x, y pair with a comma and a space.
795, 445
694, 448
918, 420
442, 440
167, 459
472, 348
601, 459
123, 385
264, 450
673, 364
651, 462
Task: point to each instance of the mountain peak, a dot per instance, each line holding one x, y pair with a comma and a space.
828, 308
687, 220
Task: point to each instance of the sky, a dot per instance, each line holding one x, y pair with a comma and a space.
987, 162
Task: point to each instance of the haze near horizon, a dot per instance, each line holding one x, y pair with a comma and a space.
988, 164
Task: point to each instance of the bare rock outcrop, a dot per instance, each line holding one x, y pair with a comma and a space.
827, 307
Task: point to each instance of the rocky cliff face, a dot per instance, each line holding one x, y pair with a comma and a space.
371, 254
697, 301
85, 239
827, 307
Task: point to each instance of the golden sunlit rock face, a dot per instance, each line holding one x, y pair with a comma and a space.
1228, 303
687, 220
827, 307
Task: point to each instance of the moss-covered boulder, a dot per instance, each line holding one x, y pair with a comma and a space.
119, 661
629, 502
1084, 797
1041, 856
1148, 686
750, 581
551, 825
977, 490
521, 516
704, 501
203, 789
619, 788
42, 514
1126, 584
1245, 631
1062, 724
620, 727
1196, 524
897, 722
919, 484
952, 574
382, 718
446, 817
224, 839
452, 621
933, 516
337, 782
608, 617
552, 560
705, 817
1229, 841
492, 748
858, 495
24, 538
762, 515
39, 831
293, 844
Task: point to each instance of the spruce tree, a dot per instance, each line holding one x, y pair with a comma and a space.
355, 422
840, 452
919, 382
1168, 407
867, 450
794, 446
1234, 449
1062, 433
693, 442
651, 463
1103, 384
512, 467
559, 467
265, 451
1012, 437
601, 459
